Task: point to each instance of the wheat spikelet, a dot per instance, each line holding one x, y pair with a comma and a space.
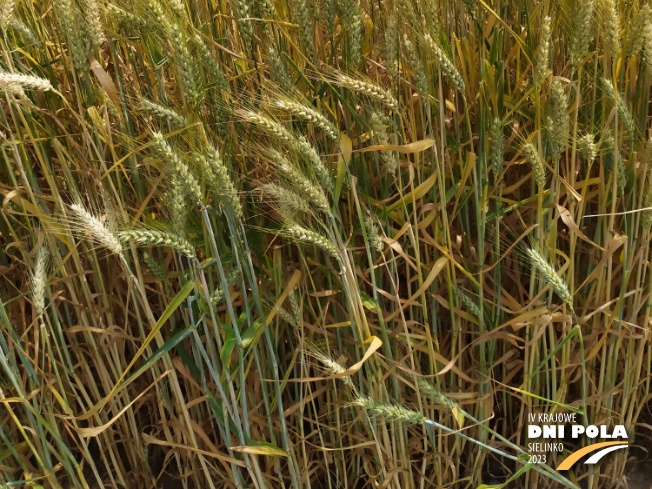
307, 236
380, 137
538, 168
223, 181
558, 119
305, 25
278, 70
22, 29
550, 275
289, 201
163, 113
11, 81
154, 237
299, 182
373, 234
70, 21
624, 115
155, 267
418, 72
177, 205
93, 20
212, 166
646, 217
352, 20
613, 161
126, 19
184, 61
245, 28
497, 147
309, 114
372, 91
434, 394
218, 294
542, 55
388, 411
175, 162
582, 31
621, 173
332, 367
446, 65
265, 8
647, 39
587, 148
269, 126
311, 156
430, 16
392, 47
94, 228
177, 6
39, 280
610, 25
637, 33
467, 301
299, 144
215, 71
6, 12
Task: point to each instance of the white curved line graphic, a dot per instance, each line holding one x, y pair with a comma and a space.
595, 458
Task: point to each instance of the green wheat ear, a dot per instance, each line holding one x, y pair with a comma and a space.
587, 148
557, 129
163, 113
307, 236
389, 411
538, 167
446, 65
289, 202
145, 237
367, 88
542, 55
610, 25
497, 147
582, 31
435, 395
550, 276
415, 63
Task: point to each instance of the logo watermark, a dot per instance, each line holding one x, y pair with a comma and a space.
547, 433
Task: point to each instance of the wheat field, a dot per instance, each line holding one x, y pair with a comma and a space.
322, 243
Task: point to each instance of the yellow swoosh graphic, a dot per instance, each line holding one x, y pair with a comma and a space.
570, 460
